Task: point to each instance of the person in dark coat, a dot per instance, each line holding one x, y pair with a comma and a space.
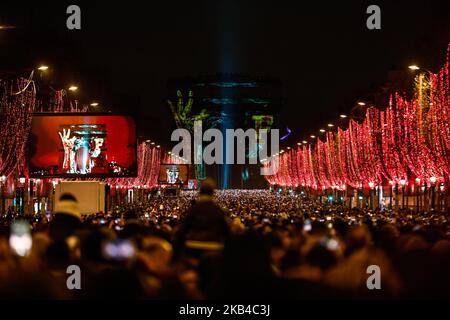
204, 226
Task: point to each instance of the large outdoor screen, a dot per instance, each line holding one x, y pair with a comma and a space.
89, 145
173, 173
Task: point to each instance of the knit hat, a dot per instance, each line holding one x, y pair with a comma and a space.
68, 204
207, 187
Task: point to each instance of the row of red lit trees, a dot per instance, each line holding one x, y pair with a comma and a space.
407, 143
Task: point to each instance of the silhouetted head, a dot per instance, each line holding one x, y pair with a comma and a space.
66, 219
68, 204
208, 186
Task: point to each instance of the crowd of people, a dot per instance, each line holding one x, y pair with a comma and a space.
250, 244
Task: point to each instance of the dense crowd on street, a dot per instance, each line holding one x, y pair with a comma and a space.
226, 244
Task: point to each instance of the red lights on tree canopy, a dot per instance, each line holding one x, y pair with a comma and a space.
408, 139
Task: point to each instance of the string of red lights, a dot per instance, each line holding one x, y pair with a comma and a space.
16, 109
148, 169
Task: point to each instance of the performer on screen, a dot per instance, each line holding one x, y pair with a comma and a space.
79, 153
82, 156
172, 174
68, 144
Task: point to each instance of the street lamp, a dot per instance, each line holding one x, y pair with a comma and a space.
3, 181
42, 68
343, 116
6, 27
415, 67
22, 180
94, 104
73, 88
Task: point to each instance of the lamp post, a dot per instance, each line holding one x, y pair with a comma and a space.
433, 191
417, 194
396, 196
38, 196
391, 183
372, 196
403, 183
54, 184
3, 181
442, 197
30, 194
424, 197
22, 180
380, 196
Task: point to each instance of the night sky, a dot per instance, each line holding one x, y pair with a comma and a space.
323, 53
